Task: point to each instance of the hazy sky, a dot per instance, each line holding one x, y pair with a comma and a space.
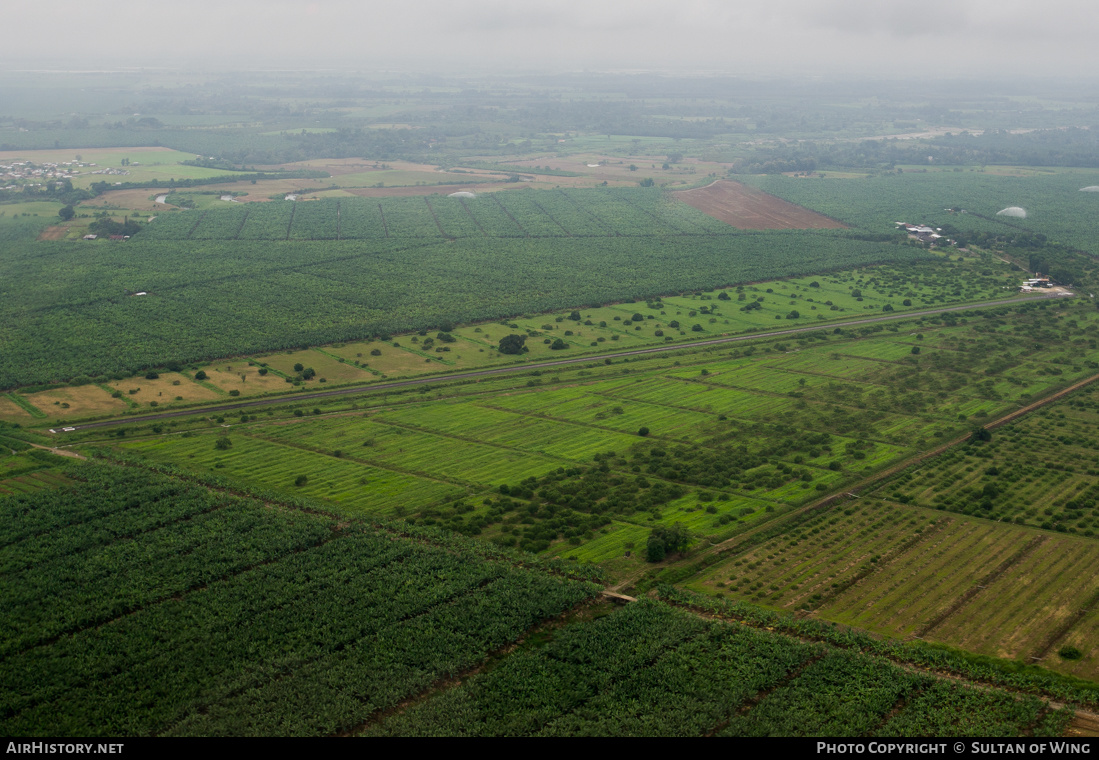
861, 37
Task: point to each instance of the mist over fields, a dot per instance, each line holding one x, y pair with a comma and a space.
906, 39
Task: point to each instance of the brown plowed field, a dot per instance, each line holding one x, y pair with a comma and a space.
750, 209
53, 233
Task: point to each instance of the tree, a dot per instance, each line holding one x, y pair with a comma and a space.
647, 182
299, 367
223, 443
643, 431
558, 344
574, 316
200, 375
666, 540
513, 344
67, 213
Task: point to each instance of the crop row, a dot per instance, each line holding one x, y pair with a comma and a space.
358, 622
817, 557
552, 213
71, 591
648, 670
357, 487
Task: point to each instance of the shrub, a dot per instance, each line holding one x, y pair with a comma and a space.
301, 480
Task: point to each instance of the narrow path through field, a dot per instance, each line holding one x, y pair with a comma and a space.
59, 452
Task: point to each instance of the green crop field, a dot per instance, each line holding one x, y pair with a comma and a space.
650, 670
131, 584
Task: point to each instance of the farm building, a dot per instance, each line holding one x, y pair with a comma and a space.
921, 232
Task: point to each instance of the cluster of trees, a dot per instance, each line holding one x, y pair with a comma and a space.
513, 344
665, 540
573, 502
103, 224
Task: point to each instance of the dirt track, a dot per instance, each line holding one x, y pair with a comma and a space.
750, 209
